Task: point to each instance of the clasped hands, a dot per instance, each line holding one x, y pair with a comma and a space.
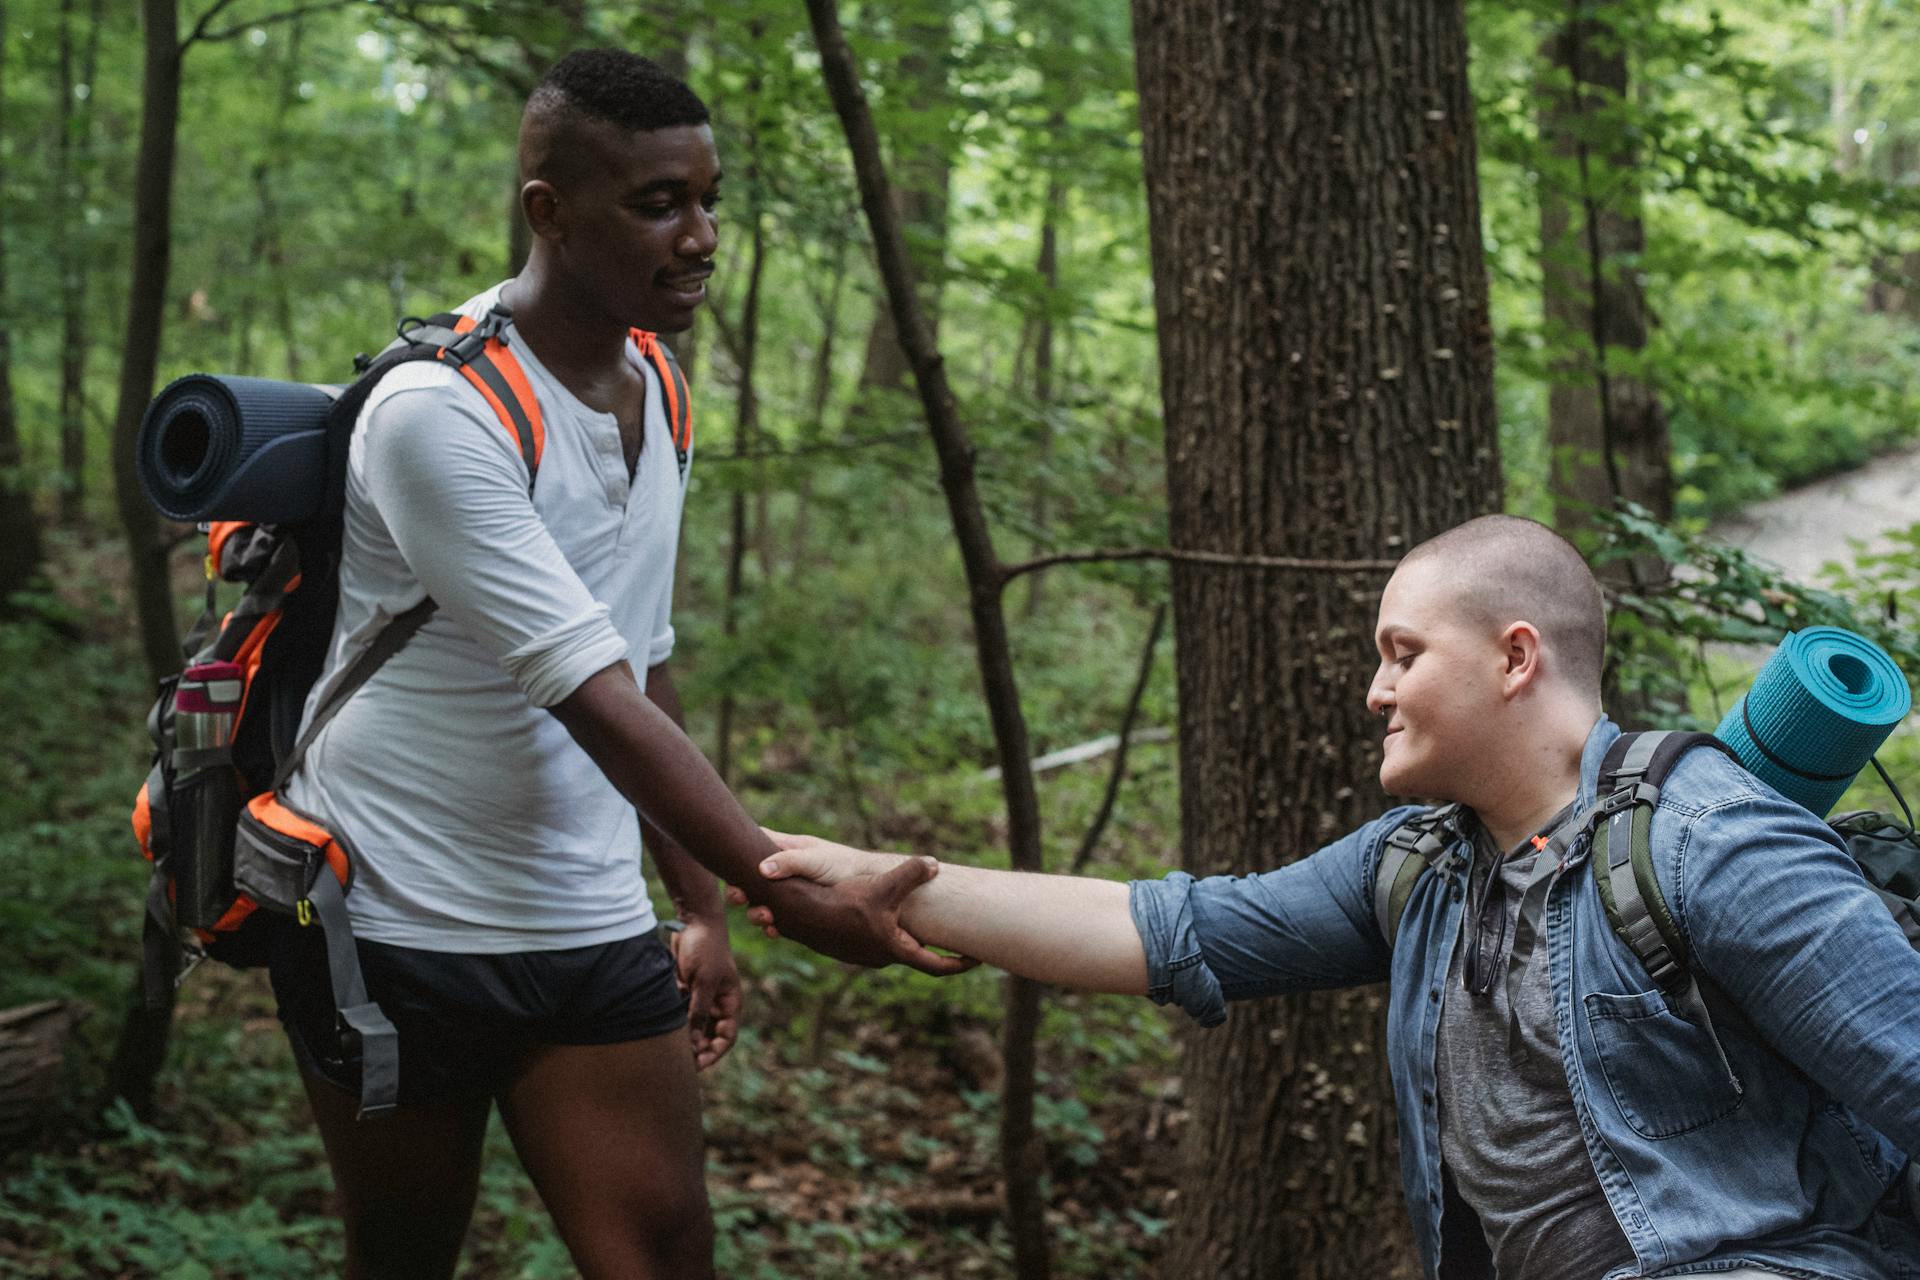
845, 903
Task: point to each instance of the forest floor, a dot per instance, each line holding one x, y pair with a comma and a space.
852, 1133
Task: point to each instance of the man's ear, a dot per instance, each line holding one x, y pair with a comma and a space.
542, 206
1520, 651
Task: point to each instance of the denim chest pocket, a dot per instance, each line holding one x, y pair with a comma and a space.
1667, 1073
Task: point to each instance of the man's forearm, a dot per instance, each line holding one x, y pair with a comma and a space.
692, 887
659, 769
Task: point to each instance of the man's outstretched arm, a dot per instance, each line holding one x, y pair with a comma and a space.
659, 769
1063, 930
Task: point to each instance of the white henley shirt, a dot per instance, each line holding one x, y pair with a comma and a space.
480, 825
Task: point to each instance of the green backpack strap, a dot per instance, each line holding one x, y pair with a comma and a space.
1415, 845
1635, 768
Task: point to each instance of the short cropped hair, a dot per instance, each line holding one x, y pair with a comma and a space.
597, 86
1509, 569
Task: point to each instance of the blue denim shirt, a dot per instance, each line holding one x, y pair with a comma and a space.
1785, 1149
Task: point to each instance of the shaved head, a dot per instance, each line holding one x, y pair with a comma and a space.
1506, 569
592, 94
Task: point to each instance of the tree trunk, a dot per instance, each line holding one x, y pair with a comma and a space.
140, 349
746, 433
1048, 267
921, 184
1606, 429
73, 187
1022, 1153
828, 306
19, 530
144, 1033
1326, 370
267, 251
1895, 289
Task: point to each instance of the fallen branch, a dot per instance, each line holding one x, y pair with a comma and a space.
1092, 749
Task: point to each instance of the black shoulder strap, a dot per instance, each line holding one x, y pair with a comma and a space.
1408, 850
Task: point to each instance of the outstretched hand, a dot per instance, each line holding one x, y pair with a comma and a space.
845, 903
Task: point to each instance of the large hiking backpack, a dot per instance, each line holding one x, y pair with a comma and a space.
1632, 774
232, 861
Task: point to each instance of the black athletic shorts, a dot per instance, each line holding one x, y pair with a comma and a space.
466, 1023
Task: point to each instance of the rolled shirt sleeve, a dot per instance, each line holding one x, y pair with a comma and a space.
1177, 973
453, 493
1305, 926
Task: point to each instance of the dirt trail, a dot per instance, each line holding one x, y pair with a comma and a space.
1803, 529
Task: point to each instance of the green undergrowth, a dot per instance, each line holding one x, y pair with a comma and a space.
851, 1133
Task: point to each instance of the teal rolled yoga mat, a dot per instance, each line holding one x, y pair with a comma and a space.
1816, 713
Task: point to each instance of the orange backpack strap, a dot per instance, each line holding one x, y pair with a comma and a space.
484, 359
679, 403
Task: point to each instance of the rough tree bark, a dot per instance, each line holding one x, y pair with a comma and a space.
1326, 370
1606, 428
19, 531
1021, 1151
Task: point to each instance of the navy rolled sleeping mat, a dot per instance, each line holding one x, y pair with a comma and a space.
217, 448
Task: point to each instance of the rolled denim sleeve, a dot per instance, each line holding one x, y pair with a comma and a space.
1176, 971
1306, 926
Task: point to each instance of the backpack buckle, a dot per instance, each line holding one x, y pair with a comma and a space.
467, 346
1627, 796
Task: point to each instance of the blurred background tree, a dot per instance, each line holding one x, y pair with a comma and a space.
1697, 220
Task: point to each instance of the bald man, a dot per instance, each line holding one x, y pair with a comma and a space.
1571, 1125
490, 774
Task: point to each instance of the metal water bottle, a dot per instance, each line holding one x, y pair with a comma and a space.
207, 793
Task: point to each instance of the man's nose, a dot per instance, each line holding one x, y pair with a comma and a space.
702, 238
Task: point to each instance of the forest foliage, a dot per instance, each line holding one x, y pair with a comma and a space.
342, 165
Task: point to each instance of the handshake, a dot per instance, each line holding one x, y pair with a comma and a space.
879, 909
862, 895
